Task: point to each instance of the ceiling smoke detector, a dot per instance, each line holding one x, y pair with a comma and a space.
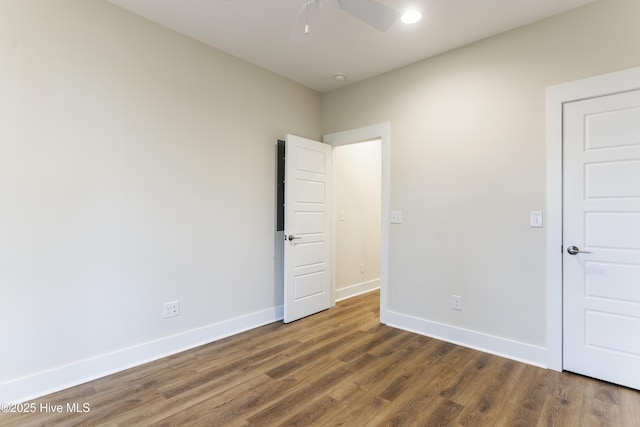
339, 77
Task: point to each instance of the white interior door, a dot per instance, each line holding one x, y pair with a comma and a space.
601, 283
307, 225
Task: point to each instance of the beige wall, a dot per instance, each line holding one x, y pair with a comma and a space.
357, 171
136, 167
468, 164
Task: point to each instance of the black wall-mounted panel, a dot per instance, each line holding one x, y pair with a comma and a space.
280, 190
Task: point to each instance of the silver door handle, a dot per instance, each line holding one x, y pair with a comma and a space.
574, 250
292, 237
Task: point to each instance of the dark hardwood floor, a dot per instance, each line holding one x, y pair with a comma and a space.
337, 368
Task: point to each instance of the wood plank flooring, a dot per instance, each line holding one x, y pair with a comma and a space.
337, 368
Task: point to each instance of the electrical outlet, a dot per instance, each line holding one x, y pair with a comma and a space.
171, 309
456, 302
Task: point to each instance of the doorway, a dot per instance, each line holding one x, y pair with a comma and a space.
381, 132
601, 227
356, 218
559, 97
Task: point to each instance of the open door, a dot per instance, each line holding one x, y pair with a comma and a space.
307, 228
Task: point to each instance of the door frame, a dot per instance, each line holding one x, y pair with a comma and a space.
557, 96
381, 131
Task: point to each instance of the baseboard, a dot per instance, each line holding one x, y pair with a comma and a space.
515, 350
53, 380
357, 289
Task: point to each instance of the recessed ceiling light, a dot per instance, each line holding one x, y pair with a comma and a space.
411, 17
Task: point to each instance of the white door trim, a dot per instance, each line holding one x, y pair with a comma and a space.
621, 81
380, 131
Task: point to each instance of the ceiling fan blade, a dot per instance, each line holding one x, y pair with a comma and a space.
304, 29
370, 12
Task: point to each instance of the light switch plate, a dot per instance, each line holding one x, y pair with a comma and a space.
535, 219
396, 217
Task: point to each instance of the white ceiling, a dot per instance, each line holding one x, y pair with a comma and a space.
259, 31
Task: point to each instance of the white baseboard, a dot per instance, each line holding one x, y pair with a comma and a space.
53, 380
515, 350
357, 289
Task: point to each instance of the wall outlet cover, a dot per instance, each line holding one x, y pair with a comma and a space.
456, 302
171, 309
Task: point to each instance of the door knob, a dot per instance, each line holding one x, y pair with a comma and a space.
574, 250
292, 237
